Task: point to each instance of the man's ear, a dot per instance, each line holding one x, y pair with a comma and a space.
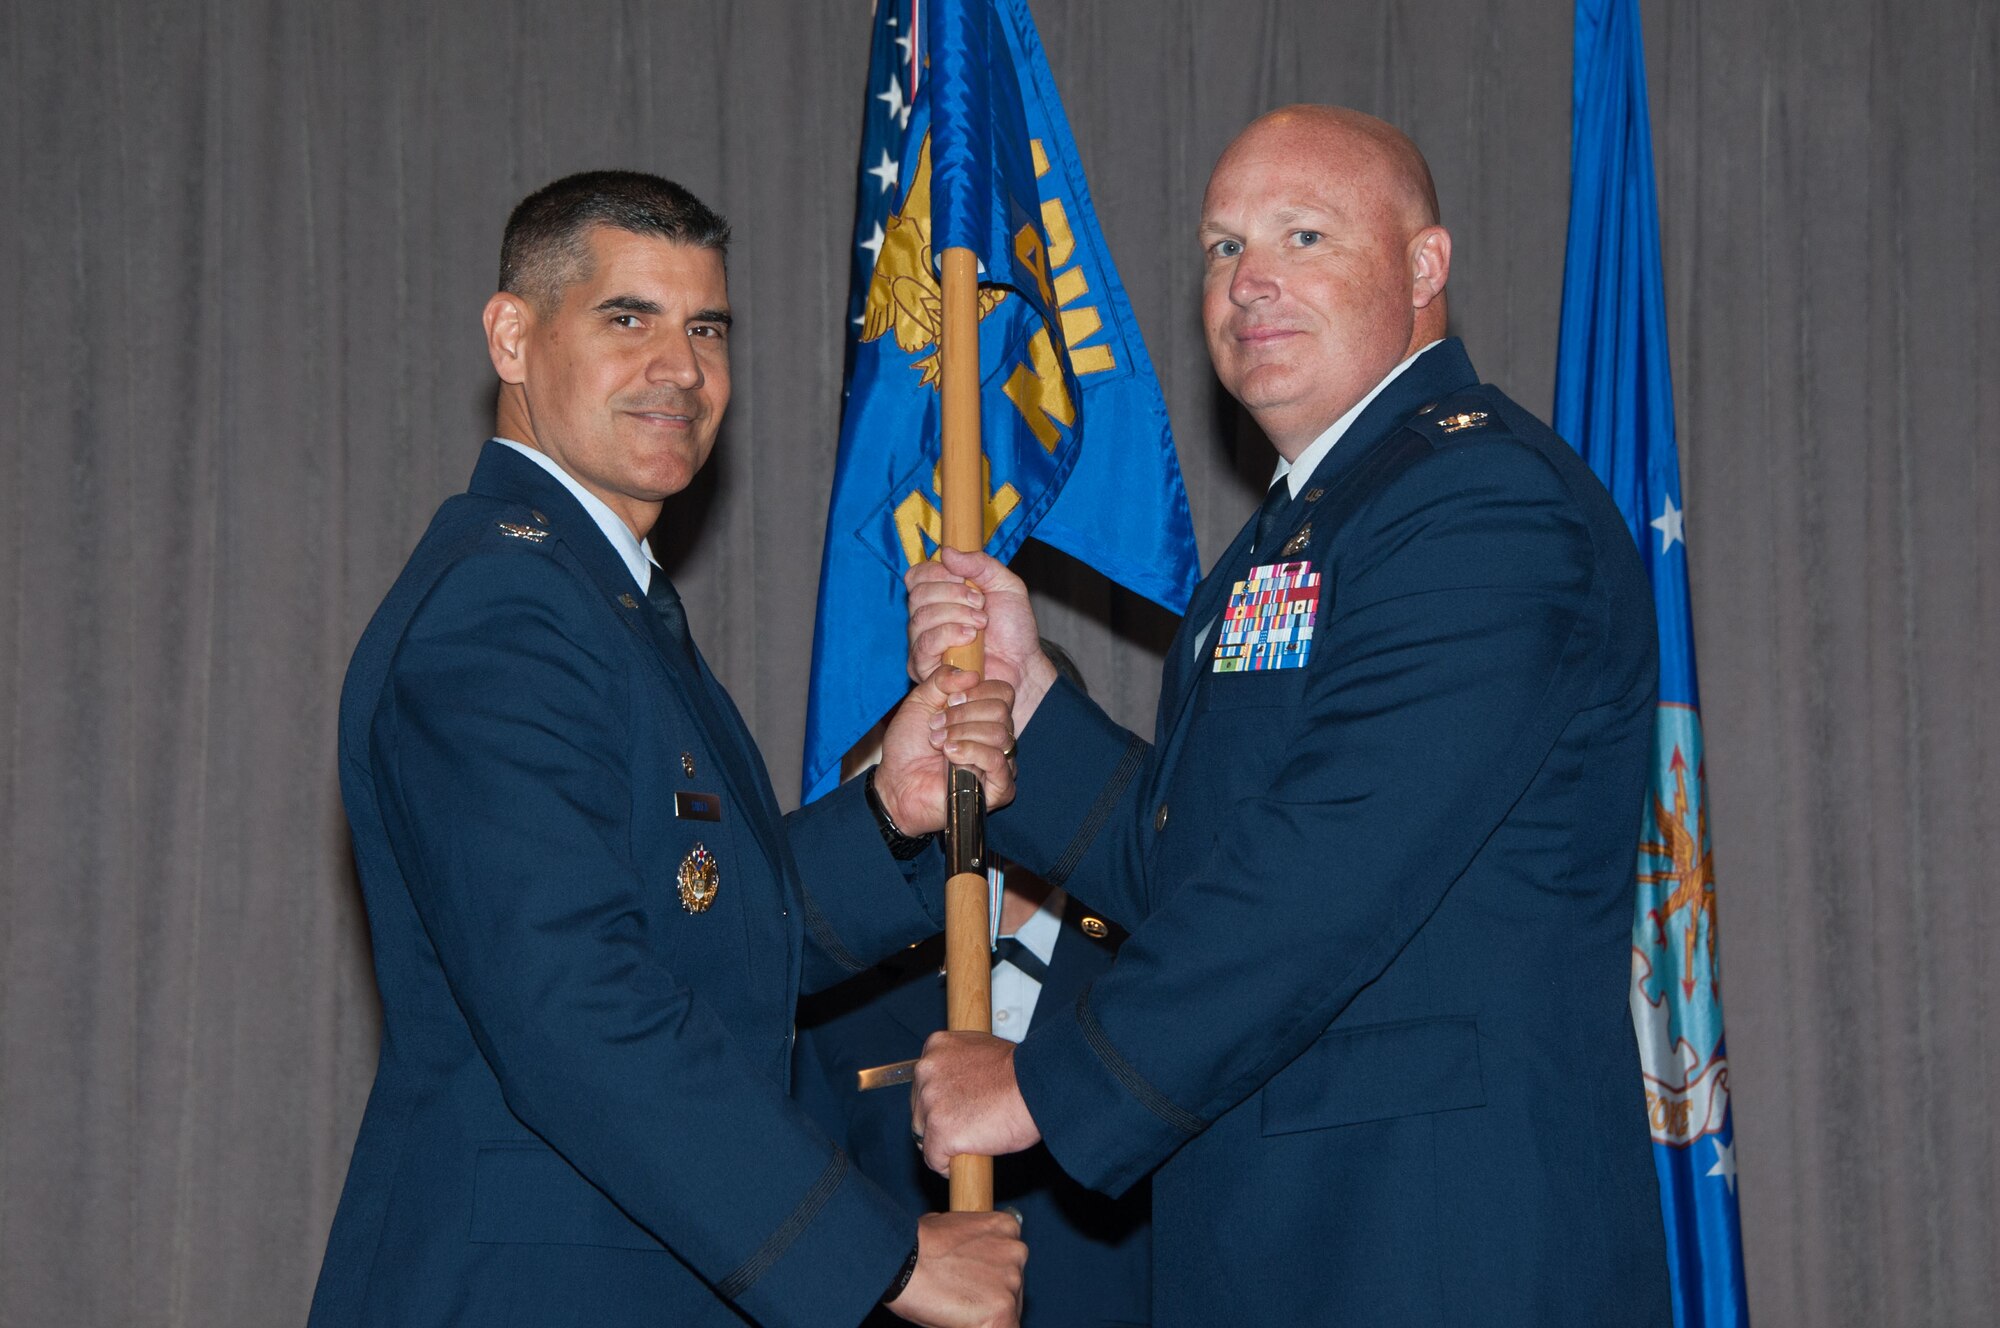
508, 320
1430, 265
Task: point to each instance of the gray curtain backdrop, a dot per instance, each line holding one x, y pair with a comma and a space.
240, 363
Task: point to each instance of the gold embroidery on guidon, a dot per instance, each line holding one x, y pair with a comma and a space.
699, 879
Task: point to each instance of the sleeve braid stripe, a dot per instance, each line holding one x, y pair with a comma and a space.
823, 932
1100, 811
1149, 1097
740, 1281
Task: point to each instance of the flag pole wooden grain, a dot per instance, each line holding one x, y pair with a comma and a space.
968, 963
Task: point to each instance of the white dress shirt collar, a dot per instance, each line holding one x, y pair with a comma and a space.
1039, 932
636, 553
1296, 473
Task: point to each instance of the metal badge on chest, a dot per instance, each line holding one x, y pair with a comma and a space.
700, 878
700, 874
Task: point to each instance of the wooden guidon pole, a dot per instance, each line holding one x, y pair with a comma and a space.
968, 962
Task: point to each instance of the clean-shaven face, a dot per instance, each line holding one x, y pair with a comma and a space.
1307, 286
626, 380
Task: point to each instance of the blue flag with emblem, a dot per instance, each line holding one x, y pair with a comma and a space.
965, 144
1614, 401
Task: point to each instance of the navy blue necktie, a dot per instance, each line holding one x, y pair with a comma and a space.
666, 602
1009, 950
1271, 516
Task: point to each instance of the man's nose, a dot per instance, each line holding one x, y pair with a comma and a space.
1253, 278
675, 361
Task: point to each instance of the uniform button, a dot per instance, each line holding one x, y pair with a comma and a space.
540, 520
1094, 928
1427, 409
1000, 1016
1160, 818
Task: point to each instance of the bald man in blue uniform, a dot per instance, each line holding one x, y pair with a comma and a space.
1370, 1034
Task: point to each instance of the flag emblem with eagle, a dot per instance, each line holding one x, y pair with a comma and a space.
903, 291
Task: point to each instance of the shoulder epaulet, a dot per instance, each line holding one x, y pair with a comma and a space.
1462, 416
525, 524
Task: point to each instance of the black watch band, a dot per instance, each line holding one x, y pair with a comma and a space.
903, 1277
902, 847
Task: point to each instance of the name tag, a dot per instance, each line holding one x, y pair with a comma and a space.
698, 806
1269, 621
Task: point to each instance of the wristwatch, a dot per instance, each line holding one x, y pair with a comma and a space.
902, 847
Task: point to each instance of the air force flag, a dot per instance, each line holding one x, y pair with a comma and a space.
965, 144
1614, 401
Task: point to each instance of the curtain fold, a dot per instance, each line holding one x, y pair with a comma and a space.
240, 361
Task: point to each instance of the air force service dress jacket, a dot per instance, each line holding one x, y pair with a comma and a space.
1371, 1025
580, 1112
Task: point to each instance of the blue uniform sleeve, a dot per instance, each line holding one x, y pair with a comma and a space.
1074, 818
497, 751
861, 905
1446, 664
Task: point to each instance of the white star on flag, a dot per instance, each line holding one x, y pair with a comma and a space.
1668, 523
887, 171
897, 107
873, 244
1725, 1164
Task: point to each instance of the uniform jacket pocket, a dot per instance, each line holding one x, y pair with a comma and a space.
1251, 688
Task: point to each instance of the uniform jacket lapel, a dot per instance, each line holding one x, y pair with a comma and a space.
1439, 371
1178, 680
504, 474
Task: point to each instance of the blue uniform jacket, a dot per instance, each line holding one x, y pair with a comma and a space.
1089, 1255
580, 1115
1371, 1026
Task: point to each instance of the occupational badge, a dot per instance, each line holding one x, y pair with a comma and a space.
1269, 621
699, 879
1465, 419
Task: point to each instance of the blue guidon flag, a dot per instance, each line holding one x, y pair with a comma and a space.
965, 144
1614, 402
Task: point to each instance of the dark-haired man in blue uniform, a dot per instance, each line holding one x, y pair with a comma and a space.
1370, 1032
590, 922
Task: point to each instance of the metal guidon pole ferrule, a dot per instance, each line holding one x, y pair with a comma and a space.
965, 823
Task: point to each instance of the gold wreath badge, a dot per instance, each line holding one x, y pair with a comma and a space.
699, 878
